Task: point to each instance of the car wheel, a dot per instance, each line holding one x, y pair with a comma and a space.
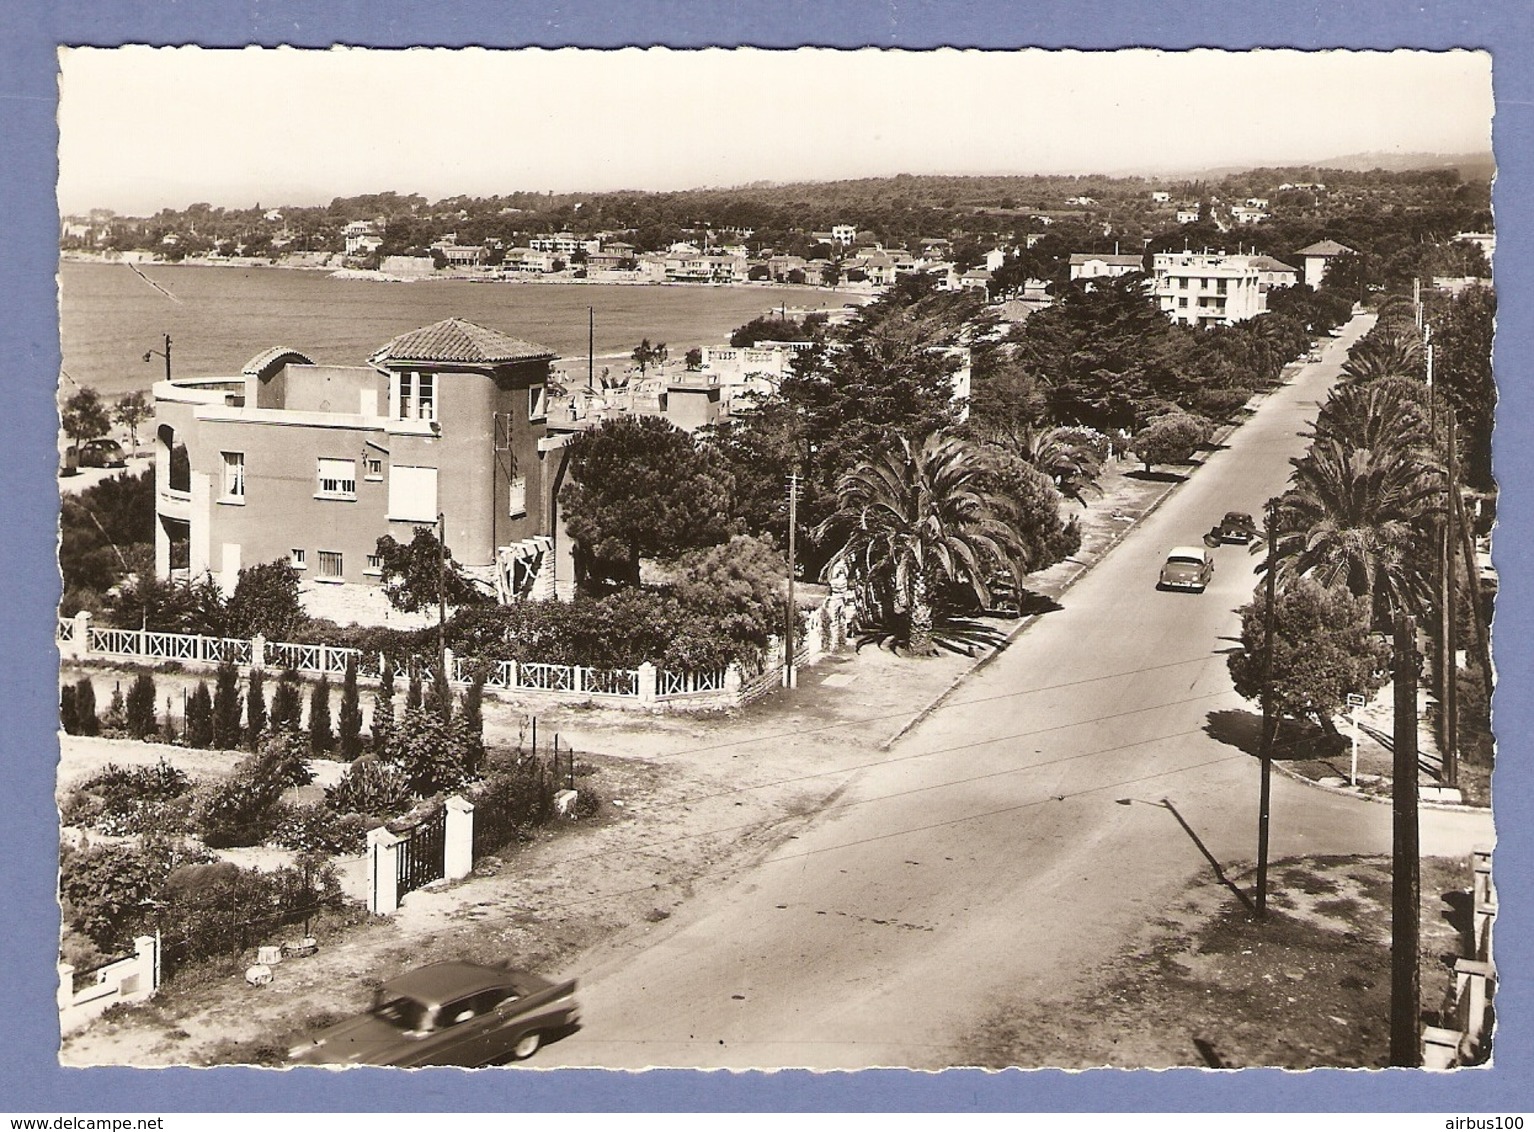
527, 1045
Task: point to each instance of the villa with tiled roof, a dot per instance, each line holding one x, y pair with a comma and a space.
1318, 259
314, 463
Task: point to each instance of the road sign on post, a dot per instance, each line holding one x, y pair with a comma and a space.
1355, 701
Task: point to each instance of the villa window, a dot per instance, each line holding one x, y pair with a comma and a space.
234, 476
374, 468
537, 403
415, 396
375, 564
330, 565
518, 492
298, 558
338, 478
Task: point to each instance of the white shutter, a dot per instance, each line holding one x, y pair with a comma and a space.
413, 494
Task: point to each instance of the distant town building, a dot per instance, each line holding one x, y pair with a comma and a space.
1159, 197
1317, 259
1187, 216
1245, 215
1273, 273
1486, 241
844, 234
1100, 265
1199, 288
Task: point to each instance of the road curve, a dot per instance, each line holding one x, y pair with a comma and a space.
1013, 839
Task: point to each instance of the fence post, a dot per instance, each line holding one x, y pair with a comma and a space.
66, 992
82, 635
1472, 991
146, 950
383, 867
1440, 1047
1485, 919
647, 676
458, 839
449, 666
1480, 864
732, 682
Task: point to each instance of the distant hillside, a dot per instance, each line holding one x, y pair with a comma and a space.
1471, 166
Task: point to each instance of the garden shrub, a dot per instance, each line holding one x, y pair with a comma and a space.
372, 787
434, 753
85, 707
125, 800
242, 809
68, 722
139, 711
199, 717
317, 828
516, 797
106, 892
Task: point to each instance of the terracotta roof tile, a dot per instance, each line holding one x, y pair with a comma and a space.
457, 340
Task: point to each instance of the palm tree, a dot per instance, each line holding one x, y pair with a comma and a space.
1361, 518
1387, 354
1380, 415
1063, 456
917, 517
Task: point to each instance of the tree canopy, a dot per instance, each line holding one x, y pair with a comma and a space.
639, 488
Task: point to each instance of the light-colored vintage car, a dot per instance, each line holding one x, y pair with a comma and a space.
1186, 568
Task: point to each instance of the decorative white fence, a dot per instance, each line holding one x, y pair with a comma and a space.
645, 685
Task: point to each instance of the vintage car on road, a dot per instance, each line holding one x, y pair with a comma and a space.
450, 1013
1186, 568
103, 452
1237, 526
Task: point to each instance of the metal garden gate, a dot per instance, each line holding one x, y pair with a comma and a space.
422, 857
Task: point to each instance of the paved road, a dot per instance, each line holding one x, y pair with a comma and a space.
1013, 839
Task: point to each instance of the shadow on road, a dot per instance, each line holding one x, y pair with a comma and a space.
1219, 871
1156, 477
1239, 729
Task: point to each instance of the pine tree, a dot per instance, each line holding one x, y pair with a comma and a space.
138, 713
322, 739
383, 706
255, 708
349, 722
199, 716
85, 707
226, 708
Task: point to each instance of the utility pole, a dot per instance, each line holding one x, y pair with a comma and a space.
1451, 619
591, 348
1269, 722
1405, 889
793, 609
445, 707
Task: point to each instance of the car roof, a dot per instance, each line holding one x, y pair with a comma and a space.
1237, 515
442, 982
1186, 552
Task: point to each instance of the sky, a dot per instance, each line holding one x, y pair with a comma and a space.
146, 128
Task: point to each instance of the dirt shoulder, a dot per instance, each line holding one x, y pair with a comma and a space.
1206, 985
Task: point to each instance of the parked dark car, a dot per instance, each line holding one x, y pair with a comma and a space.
1186, 568
450, 1013
1237, 526
102, 452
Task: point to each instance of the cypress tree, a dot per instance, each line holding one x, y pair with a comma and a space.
287, 703
349, 722
68, 721
199, 716
255, 708
439, 699
383, 706
472, 716
139, 716
413, 692
322, 739
85, 707
226, 708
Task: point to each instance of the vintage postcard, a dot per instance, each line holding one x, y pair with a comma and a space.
776, 559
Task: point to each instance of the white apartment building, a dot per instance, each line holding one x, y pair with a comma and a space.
1101, 265
1199, 288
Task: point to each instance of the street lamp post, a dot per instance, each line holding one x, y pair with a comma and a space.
165, 353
